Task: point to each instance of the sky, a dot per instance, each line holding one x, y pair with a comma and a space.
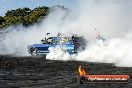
6, 5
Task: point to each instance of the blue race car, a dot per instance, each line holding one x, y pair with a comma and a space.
70, 44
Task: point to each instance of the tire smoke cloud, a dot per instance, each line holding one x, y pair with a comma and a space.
112, 18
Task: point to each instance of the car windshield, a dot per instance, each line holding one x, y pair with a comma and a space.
61, 40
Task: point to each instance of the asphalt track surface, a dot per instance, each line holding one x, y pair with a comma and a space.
37, 72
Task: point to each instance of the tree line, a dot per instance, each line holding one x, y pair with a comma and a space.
24, 16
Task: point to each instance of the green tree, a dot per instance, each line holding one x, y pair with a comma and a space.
2, 20
23, 16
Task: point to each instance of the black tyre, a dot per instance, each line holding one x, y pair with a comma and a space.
34, 52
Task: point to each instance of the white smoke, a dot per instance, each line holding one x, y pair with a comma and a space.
112, 18
58, 53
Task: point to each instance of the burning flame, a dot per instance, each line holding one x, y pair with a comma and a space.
81, 71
